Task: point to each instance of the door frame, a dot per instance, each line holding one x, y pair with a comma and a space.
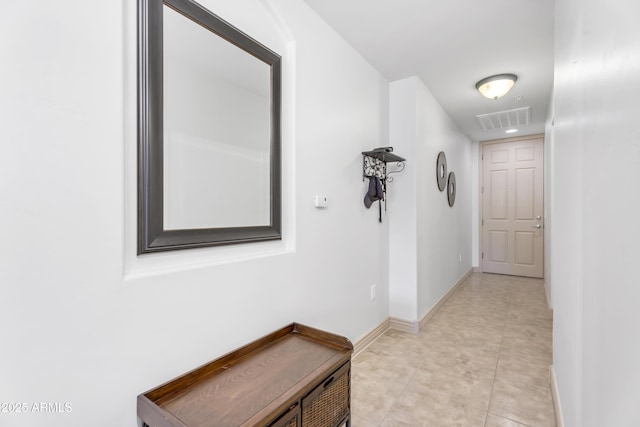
481, 144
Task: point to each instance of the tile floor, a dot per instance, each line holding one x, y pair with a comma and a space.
482, 360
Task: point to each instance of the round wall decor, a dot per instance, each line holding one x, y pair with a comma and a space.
441, 171
451, 188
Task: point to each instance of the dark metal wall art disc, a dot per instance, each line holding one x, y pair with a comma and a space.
441, 171
451, 188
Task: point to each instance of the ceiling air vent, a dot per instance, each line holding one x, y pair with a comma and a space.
504, 119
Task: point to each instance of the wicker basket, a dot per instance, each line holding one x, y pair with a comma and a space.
331, 406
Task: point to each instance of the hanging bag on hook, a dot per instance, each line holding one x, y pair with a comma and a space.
375, 193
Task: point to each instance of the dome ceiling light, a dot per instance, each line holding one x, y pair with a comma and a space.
494, 87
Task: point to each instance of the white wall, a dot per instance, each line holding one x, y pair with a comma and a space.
475, 204
548, 197
402, 202
85, 321
430, 241
596, 206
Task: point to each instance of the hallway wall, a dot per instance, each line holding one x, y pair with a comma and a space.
595, 211
430, 242
86, 322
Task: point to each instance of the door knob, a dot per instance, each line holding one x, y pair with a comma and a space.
538, 217
536, 226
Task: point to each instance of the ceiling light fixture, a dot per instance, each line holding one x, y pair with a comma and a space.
494, 87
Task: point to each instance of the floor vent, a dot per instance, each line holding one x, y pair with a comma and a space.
505, 119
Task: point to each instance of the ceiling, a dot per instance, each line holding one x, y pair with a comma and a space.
450, 45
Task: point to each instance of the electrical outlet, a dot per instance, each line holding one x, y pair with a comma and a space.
373, 292
459, 257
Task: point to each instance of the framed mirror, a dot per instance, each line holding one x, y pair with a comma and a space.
441, 171
451, 189
208, 131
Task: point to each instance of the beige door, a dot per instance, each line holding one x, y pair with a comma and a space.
512, 207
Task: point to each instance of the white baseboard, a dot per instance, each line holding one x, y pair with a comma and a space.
411, 326
433, 310
556, 397
370, 337
477, 269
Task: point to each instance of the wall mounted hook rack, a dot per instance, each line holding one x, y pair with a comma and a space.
374, 163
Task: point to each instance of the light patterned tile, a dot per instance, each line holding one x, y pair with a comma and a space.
527, 405
467, 353
361, 422
391, 367
452, 385
529, 295
537, 347
526, 315
534, 330
470, 324
517, 370
395, 343
373, 395
488, 333
481, 360
416, 409
495, 421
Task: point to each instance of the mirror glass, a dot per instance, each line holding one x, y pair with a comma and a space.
208, 131
216, 130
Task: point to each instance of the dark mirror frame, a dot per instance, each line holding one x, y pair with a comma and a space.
152, 237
